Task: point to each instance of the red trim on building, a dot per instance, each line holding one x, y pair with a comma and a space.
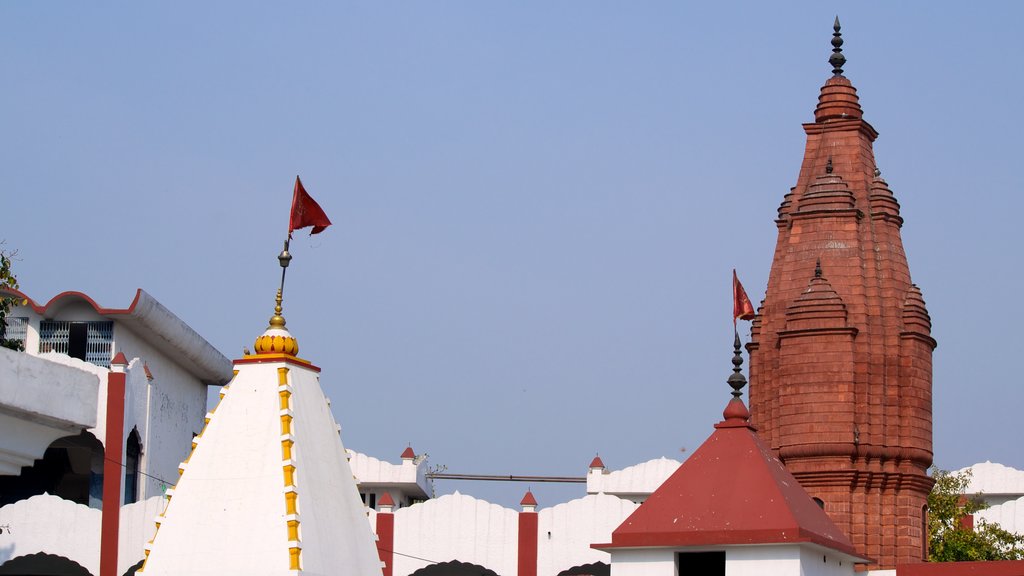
272, 358
113, 452
386, 538
528, 544
61, 299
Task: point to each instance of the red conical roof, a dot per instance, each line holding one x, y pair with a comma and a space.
408, 453
386, 500
596, 462
730, 491
528, 499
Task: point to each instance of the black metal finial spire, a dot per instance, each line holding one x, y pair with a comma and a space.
737, 380
817, 268
837, 59
828, 165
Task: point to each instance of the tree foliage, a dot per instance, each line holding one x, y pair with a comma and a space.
7, 280
950, 537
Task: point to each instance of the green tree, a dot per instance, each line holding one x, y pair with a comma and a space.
949, 539
7, 280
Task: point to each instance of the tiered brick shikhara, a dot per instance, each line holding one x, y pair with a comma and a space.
267, 489
841, 350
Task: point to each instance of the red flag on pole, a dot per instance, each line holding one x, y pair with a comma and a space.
306, 212
742, 309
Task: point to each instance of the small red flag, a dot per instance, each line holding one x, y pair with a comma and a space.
306, 212
742, 309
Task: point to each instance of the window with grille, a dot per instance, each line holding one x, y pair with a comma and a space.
89, 341
17, 329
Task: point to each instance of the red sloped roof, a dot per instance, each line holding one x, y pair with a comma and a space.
596, 462
730, 491
528, 499
386, 500
408, 453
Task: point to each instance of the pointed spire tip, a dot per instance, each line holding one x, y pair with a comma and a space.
837, 59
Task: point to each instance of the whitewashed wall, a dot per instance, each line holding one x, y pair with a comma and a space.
456, 527
60, 527
635, 482
1002, 487
566, 531
167, 410
644, 562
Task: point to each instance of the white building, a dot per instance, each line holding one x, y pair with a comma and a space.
54, 478
1002, 488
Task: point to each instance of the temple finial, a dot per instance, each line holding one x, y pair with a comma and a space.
837, 59
736, 380
828, 166
817, 268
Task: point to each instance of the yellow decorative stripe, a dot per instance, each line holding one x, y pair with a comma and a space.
291, 497
290, 501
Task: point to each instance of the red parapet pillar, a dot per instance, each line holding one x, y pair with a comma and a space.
386, 534
528, 536
113, 451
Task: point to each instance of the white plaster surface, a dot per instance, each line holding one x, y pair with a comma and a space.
635, 482
644, 562
456, 527
566, 531
407, 478
1002, 487
993, 478
757, 560
52, 525
40, 401
49, 524
227, 513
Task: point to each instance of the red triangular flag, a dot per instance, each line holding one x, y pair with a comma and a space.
742, 309
306, 212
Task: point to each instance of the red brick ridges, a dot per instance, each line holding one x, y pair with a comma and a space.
841, 361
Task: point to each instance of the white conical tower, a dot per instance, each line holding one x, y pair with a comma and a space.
267, 489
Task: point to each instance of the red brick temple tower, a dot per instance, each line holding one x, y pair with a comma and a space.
841, 348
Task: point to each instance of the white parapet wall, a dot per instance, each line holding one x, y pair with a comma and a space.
1002, 488
29, 416
60, 527
633, 482
456, 527
566, 531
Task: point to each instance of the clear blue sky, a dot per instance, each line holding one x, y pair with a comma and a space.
537, 205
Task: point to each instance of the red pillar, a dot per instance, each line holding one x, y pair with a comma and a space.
113, 451
386, 534
528, 536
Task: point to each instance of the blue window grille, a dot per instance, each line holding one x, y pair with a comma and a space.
55, 336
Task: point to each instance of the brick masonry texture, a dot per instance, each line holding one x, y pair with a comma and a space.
841, 355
